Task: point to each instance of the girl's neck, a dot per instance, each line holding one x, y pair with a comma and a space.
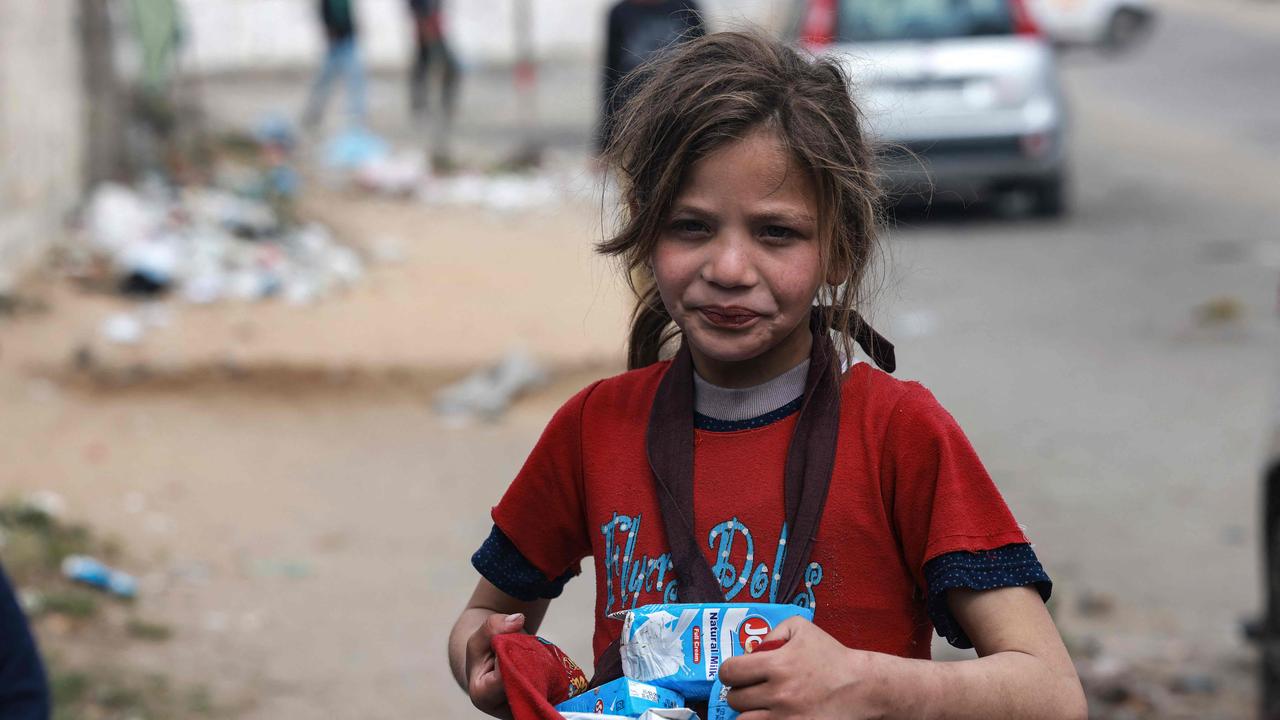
735, 404
793, 350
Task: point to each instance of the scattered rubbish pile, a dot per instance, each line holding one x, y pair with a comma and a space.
503, 193
372, 165
206, 244
487, 393
233, 236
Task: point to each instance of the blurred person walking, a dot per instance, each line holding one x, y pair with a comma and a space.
636, 31
433, 51
342, 57
24, 691
157, 104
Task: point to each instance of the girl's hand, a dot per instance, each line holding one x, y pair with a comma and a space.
484, 680
811, 676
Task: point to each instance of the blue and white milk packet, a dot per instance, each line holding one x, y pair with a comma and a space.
681, 646
624, 697
718, 704
650, 714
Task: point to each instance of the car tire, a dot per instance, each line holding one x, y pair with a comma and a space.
1125, 28
1049, 198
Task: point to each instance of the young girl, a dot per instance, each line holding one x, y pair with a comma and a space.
749, 467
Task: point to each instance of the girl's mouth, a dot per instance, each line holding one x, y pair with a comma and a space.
728, 317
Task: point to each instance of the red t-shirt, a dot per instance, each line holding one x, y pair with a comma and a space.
907, 487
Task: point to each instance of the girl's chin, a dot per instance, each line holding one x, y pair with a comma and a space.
720, 350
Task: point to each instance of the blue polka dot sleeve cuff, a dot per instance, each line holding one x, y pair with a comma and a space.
1008, 566
501, 563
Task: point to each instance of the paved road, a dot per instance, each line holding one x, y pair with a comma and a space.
1126, 433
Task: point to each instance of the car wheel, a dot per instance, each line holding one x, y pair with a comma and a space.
1049, 198
1125, 28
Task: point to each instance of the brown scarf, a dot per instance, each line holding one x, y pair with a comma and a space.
806, 477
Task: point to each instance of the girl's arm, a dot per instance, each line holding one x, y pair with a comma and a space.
489, 612
1023, 671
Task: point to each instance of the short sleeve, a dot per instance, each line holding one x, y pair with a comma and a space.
941, 498
543, 512
501, 563
1008, 566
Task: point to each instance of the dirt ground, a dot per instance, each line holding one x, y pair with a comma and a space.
295, 511
302, 521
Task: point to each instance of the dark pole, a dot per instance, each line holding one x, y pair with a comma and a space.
1270, 630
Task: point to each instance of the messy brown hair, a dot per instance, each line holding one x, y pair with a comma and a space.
711, 91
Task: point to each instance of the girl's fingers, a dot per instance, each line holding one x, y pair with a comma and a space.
499, 624
487, 691
490, 679
755, 715
751, 697
745, 670
786, 630
481, 641
483, 669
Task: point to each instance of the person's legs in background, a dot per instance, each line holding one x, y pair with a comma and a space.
418, 78
354, 70
450, 71
318, 98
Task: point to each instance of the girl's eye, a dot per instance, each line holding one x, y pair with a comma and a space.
777, 233
689, 227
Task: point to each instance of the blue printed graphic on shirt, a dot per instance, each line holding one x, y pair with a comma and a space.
627, 576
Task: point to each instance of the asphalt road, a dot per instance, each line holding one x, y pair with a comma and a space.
1124, 425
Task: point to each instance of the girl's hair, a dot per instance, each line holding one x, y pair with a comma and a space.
714, 90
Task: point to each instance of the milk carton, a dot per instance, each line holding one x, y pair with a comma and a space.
624, 697
681, 647
718, 704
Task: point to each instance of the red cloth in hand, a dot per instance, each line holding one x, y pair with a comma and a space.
537, 675
770, 645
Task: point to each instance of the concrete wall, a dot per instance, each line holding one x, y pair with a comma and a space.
41, 128
234, 35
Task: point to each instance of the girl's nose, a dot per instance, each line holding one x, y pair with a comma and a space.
728, 263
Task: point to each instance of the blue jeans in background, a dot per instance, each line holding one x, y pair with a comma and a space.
342, 59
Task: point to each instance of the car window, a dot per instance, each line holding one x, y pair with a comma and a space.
875, 20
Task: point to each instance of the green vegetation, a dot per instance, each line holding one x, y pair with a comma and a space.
111, 695
65, 616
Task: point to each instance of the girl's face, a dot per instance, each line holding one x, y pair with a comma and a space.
738, 262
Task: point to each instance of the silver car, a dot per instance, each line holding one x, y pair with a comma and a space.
963, 95
1113, 25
